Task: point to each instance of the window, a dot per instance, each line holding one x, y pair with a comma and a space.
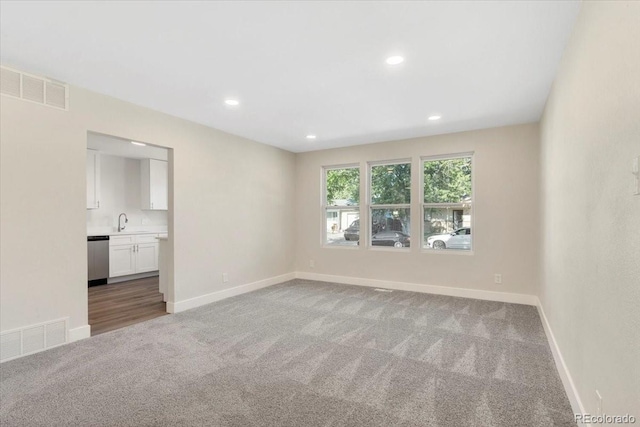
390, 213
341, 209
447, 203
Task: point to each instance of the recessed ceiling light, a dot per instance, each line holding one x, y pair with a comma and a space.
311, 137
141, 144
433, 118
394, 60
232, 102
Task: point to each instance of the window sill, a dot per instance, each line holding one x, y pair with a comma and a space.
389, 249
325, 246
446, 251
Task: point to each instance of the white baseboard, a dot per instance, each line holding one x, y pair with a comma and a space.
77, 334
430, 289
563, 370
178, 306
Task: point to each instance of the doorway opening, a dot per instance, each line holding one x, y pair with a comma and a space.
129, 184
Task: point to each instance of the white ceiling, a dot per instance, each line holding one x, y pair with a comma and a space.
303, 67
124, 148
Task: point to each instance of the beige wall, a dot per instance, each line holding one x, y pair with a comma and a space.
505, 207
233, 203
254, 211
590, 284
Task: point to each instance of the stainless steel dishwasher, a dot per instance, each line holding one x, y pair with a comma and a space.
98, 252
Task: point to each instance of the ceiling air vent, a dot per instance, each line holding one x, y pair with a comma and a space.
32, 89
29, 87
56, 95
10, 82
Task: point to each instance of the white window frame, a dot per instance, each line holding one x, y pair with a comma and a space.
424, 205
371, 206
325, 207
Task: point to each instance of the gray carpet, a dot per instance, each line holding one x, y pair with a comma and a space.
301, 353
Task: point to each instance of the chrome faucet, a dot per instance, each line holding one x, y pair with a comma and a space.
126, 220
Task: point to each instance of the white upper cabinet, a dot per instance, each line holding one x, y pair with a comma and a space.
154, 184
93, 179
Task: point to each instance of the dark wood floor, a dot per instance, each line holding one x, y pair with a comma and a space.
122, 304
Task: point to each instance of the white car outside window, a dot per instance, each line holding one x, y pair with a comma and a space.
459, 239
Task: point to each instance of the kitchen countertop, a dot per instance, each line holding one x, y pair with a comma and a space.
127, 231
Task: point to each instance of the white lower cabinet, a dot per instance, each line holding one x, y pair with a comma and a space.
122, 260
132, 254
146, 257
